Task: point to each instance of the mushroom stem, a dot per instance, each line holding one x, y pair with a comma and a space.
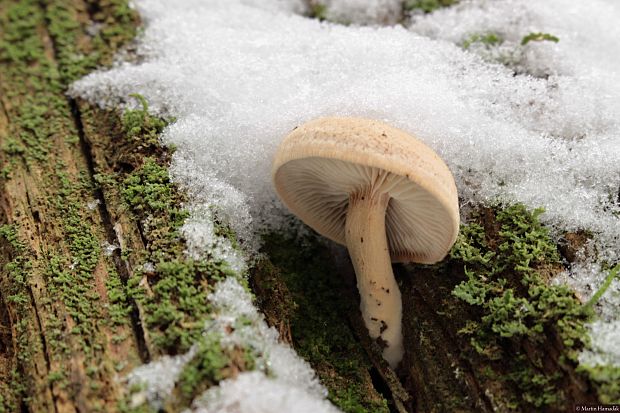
380, 300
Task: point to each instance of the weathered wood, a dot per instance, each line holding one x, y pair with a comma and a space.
58, 284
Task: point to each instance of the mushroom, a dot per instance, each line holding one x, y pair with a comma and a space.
376, 189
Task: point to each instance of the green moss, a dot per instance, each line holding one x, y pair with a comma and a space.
148, 190
178, 303
120, 307
427, 6
78, 54
11, 392
56, 376
539, 37
487, 39
71, 274
139, 125
36, 89
17, 285
38, 82
507, 282
43, 47
178, 287
14, 277
307, 294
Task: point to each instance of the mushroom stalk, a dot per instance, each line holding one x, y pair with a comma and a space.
380, 300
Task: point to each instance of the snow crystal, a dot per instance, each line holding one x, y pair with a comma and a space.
92, 205
157, 379
203, 243
254, 392
239, 74
232, 301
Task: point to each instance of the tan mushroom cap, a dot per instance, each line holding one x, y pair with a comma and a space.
322, 162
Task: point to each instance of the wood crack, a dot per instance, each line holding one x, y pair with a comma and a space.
113, 239
46, 354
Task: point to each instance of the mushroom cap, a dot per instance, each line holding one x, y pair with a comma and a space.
320, 164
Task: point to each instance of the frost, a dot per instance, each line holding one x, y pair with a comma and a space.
157, 379
92, 205
256, 393
537, 124
108, 249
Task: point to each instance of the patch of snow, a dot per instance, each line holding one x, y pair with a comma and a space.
108, 249
156, 379
238, 78
232, 302
148, 267
254, 392
606, 351
579, 108
92, 205
203, 243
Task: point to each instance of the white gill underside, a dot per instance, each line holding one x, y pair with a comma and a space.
318, 191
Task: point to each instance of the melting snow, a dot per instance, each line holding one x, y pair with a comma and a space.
239, 74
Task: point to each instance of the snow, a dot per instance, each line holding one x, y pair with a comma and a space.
231, 302
203, 243
253, 392
239, 74
282, 382
157, 379
605, 350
